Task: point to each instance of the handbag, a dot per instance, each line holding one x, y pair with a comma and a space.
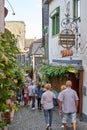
55, 101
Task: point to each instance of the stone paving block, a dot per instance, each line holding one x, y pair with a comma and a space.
28, 119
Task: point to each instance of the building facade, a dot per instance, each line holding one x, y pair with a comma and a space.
67, 18
36, 55
2, 15
83, 53
18, 29
45, 23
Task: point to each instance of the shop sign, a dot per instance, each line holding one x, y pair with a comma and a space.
66, 38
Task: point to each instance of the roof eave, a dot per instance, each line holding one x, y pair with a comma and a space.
46, 1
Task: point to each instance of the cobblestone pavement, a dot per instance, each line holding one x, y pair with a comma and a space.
28, 119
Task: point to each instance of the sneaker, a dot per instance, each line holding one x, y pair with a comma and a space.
47, 128
62, 126
33, 108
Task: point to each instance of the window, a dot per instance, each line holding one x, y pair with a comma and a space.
55, 21
76, 9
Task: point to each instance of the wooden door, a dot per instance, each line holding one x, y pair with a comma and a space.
77, 84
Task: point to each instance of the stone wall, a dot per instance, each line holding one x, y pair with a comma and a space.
18, 29
1, 15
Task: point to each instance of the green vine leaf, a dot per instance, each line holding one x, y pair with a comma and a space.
60, 71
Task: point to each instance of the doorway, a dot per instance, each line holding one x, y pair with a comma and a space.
77, 85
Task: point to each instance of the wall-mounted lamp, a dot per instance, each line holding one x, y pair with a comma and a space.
13, 13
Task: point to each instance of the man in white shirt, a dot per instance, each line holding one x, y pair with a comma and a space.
31, 89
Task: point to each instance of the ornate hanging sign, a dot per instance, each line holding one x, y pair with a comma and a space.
66, 38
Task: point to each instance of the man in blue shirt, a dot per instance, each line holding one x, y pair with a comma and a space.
38, 93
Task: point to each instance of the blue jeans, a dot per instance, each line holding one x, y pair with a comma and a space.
48, 114
33, 101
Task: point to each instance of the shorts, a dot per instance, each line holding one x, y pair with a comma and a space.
69, 116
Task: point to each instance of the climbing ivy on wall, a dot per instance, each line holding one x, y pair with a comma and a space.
11, 75
52, 71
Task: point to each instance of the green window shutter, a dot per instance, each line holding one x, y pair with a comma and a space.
76, 8
57, 26
58, 21
73, 9
55, 21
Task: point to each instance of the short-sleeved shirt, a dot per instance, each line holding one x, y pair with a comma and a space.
47, 99
68, 98
31, 89
38, 91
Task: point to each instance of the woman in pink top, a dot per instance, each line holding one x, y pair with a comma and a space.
47, 104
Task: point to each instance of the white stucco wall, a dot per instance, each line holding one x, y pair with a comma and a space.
84, 47
54, 48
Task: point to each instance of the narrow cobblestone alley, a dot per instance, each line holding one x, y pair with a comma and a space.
28, 119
